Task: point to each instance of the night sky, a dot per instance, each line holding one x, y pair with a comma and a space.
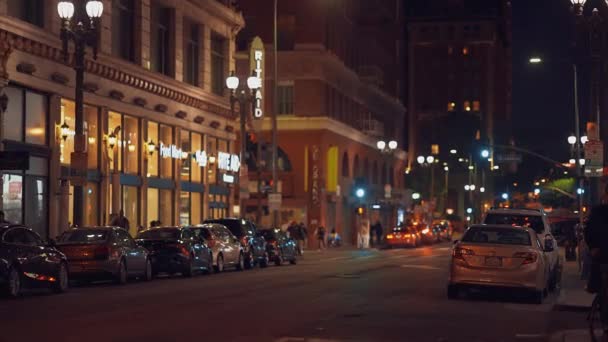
543, 109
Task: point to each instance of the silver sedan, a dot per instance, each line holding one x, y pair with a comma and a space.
499, 256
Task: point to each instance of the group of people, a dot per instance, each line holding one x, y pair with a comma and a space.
366, 233
300, 234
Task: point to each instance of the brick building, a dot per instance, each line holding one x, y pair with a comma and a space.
159, 78
339, 84
459, 85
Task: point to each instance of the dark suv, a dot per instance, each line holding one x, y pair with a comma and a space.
254, 246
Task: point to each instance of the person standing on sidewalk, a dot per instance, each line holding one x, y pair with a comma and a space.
320, 234
304, 235
364, 233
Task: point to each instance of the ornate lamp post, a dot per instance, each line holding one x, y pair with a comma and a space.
82, 33
246, 99
387, 149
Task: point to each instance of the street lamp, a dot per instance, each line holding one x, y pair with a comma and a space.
65, 131
584, 139
82, 34
360, 193
245, 99
577, 6
485, 154
151, 147
572, 140
420, 160
430, 159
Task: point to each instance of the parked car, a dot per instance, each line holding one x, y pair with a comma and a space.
500, 256
104, 252
403, 236
428, 235
176, 250
537, 220
254, 246
225, 247
279, 246
26, 261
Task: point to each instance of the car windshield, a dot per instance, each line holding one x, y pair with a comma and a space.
528, 221
84, 235
160, 234
500, 236
233, 225
267, 234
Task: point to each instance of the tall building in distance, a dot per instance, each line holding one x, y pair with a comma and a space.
459, 78
339, 84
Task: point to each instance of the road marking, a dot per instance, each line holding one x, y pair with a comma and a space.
531, 336
444, 248
421, 267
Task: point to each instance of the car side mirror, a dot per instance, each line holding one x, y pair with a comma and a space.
549, 246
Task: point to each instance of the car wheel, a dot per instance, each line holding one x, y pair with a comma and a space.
264, 261
219, 264
148, 271
121, 276
61, 284
14, 282
293, 260
453, 292
188, 270
241, 264
278, 260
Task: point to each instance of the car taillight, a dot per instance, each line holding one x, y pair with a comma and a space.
390, 236
102, 252
459, 252
529, 258
406, 236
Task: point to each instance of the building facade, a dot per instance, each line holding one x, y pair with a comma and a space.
459, 87
157, 115
338, 92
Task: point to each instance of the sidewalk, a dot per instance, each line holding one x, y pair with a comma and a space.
572, 297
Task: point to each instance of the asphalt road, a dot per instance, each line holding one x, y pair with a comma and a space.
336, 295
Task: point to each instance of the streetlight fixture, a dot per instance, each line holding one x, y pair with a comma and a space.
577, 6
420, 160
151, 147
65, 131
415, 196
245, 99
453, 151
572, 140
584, 139
535, 60
430, 159
360, 193
485, 154
505, 196
112, 140
82, 34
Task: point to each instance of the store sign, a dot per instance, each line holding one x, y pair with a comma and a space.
201, 158
315, 189
228, 162
170, 151
228, 178
257, 64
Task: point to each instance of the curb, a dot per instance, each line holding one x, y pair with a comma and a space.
571, 308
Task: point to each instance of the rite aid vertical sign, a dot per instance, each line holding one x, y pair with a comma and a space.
256, 61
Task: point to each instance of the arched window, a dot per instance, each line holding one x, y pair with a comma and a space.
375, 173
366, 173
356, 169
345, 166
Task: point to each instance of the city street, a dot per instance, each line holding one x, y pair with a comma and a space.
335, 295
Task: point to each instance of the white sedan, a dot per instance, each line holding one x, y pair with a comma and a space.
499, 256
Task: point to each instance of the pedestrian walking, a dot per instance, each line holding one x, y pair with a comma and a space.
304, 234
363, 234
121, 221
320, 233
2, 219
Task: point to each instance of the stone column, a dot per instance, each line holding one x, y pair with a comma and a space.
106, 28
142, 29
58, 199
104, 167
143, 203
206, 57
178, 43
5, 51
177, 167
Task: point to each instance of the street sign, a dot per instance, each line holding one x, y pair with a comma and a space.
14, 160
274, 201
594, 158
509, 157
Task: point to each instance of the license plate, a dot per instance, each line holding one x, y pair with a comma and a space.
493, 261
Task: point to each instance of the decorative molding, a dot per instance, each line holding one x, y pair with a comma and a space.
214, 124
181, 114
59, 78
117, 95
26, 68
139, 101
110, 72
199, 119
90, 87
5, 51
161, 108
229, 128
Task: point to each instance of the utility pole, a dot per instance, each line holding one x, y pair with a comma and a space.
275, 102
